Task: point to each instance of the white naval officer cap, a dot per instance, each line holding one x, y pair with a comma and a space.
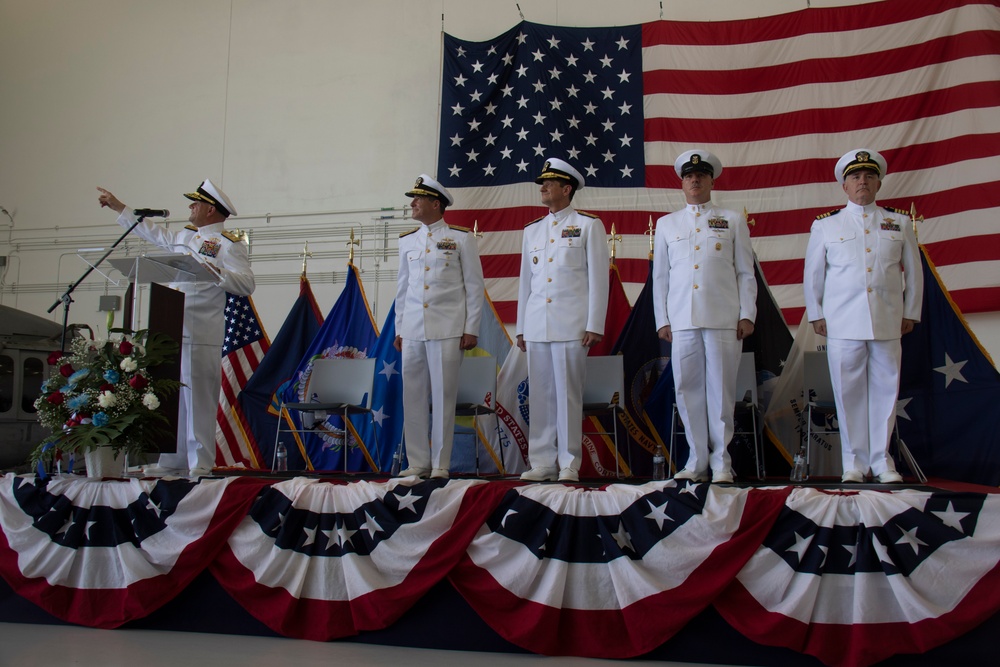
428, 187
859, 158
210, 193
560, 170
697, 160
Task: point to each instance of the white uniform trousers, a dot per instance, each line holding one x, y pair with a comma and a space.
430, 378
704, 363
201, 371
556, 373
865, 379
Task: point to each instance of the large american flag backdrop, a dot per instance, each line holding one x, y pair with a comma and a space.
614, 571
779, 99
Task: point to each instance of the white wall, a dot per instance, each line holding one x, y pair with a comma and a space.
313, 115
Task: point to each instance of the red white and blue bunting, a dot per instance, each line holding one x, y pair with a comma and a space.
850, 578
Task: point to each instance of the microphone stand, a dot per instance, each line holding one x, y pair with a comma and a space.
66, 299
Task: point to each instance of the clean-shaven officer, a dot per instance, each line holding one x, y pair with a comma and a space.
864, 290
705, 304
439, 300
562, 302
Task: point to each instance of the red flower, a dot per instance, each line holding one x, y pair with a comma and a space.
139, 382
73, 421
107, 387
55, 398
66, 370
54, 357
125, 347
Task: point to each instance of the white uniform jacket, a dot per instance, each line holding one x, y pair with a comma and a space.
439, 288
563, 288
703, 275
854, 272
204, 323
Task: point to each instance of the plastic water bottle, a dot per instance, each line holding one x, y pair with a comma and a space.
397, 461
799, 471
281, 458
659, 463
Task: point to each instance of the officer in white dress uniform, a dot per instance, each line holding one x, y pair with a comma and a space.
562, 302
439, 299
225, 255
705, 304
858, 296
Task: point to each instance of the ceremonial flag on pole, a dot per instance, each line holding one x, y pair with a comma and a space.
348, 331
645, 358
618, 312
386, 424
512, 410
243, 349
257, 405
949, 392
787, 411
770, 343
778, 98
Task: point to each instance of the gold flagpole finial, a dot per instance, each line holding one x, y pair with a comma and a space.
746, 216
651, 232
475, 230
615, 239
305, 257
350, 244
914, 217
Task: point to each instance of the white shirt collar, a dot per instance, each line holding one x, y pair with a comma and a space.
560, 216
857, 209
436, 226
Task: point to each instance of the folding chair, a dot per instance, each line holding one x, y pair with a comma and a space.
747, 406
477, 391
341, 385
817, 389
603, 393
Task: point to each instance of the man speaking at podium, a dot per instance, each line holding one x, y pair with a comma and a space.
225, 256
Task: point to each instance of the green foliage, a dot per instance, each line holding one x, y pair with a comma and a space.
101, 394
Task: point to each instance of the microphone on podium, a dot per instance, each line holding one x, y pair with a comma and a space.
151, 213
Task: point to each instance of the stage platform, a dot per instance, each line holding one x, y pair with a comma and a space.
737, 574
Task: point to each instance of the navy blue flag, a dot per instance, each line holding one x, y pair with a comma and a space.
387, 396
348, 331
257, 405
645, 359
949, 391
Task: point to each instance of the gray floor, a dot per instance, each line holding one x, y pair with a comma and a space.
27, 645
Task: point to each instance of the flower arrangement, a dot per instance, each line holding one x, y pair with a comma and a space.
101, 394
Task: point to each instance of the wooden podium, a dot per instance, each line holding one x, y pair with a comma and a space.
162, 312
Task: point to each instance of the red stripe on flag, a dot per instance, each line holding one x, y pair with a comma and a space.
794, 24
906, 109
820, 70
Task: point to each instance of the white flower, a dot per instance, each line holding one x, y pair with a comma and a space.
107, 399
151, 401
128, 364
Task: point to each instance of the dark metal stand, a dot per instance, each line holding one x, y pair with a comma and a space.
66, 299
